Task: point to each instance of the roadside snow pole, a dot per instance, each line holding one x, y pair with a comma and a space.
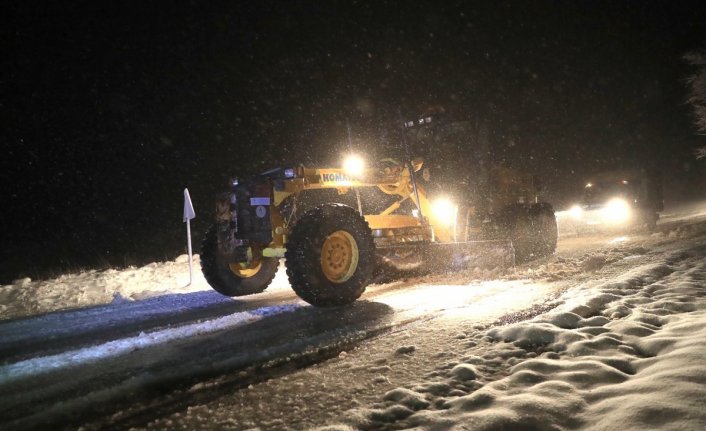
188, 215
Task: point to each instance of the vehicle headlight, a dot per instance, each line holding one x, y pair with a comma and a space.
353, 165
616, 210
576, 212
444, 211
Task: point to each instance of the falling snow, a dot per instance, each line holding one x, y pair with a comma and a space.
557, 344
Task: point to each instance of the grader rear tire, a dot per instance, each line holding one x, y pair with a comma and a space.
330, 256
544, 222
533, 231
522, 235
233, 279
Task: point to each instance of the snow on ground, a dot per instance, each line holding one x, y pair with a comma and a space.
95, 287
624, 349
36, 366
624, 352
26, 297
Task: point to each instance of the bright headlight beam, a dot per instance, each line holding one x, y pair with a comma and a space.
616, 210
354, 165
445, 211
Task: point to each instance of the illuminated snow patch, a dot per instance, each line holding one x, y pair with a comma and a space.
41, 365
281, 281
465, 299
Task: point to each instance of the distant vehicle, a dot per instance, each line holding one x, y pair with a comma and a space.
620, 199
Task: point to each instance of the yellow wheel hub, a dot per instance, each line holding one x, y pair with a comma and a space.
339, 256
244, 270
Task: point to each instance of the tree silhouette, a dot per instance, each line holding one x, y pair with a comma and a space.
697, 94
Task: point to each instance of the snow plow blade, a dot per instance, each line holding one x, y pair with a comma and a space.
445, 257
468, 255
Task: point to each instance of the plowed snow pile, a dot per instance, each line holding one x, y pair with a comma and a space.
26, 297
628, 353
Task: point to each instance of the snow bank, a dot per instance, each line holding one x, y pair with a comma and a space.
629, 355
26, 297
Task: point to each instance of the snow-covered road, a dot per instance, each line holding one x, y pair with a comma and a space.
139, 348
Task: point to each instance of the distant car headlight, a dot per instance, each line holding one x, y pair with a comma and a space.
576, 212
616, 210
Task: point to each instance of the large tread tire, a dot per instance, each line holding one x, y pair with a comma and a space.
305, 266
521, 234
544, 222
220, 276
652, 222
532, 230
648, 220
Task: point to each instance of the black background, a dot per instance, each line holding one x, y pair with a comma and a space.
110, 109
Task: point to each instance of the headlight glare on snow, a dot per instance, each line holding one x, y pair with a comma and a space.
576, 212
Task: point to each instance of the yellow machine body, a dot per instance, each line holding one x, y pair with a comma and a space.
395, 179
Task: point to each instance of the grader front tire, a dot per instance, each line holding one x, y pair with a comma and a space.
330, 256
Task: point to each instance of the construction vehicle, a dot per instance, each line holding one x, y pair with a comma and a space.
388, 218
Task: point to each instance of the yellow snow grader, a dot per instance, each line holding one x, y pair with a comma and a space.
376, 215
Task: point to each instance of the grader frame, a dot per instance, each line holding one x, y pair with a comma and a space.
331, 250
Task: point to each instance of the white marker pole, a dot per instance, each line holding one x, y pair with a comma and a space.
188, 215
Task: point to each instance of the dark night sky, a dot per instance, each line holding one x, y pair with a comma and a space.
111, 108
